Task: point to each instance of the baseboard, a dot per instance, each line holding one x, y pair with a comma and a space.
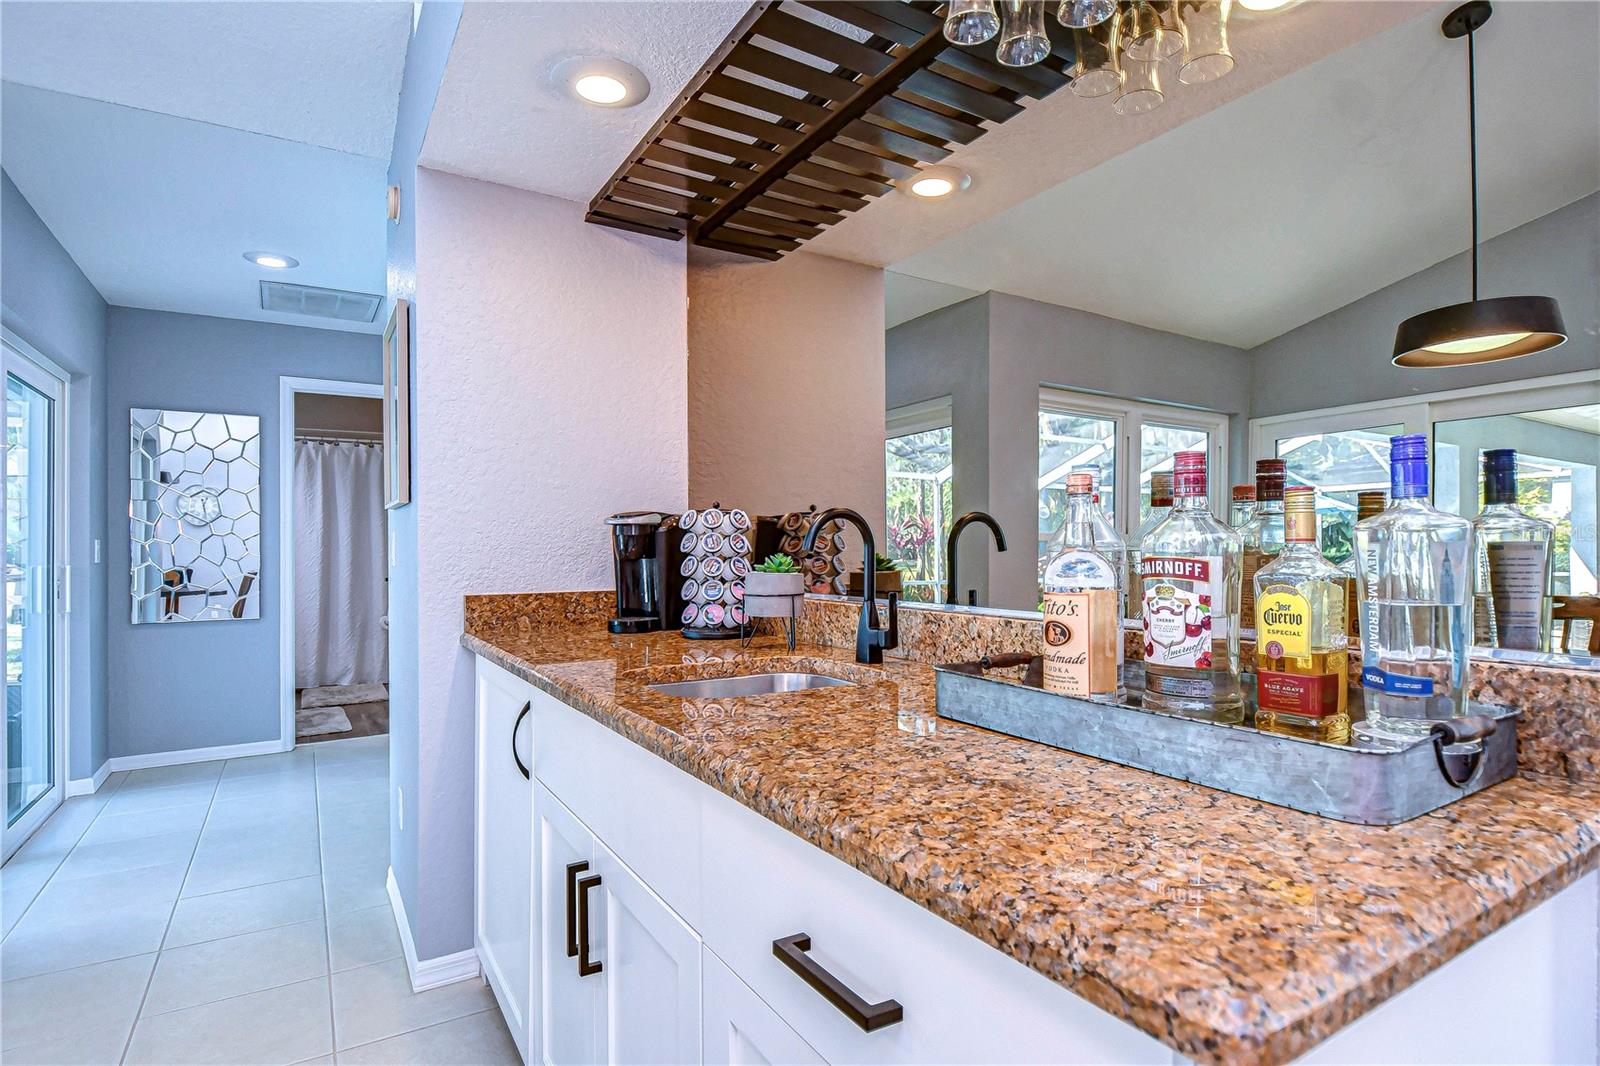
429, 973
188, 755
85, 786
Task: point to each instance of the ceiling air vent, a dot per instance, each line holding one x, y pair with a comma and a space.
319, 303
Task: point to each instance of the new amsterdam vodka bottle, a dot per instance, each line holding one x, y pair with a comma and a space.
1083, 606
1190, 567
1511, 580
1416, 604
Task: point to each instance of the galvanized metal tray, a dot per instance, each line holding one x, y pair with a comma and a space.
1367, 781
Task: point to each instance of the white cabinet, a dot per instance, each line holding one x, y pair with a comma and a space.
737, 1026
504, 844
620, 971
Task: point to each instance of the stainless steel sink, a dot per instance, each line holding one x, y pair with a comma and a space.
747, 685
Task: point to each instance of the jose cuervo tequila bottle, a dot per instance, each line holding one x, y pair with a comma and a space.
1190, 568
1511, 571
1416, 603
1302, 658
1083, 606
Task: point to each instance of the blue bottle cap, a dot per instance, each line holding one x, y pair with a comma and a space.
1408, 466
1500, 475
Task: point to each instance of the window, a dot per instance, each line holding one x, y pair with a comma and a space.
1079, 430
919, 459
1338, 465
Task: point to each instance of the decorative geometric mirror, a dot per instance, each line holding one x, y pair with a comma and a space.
194, 509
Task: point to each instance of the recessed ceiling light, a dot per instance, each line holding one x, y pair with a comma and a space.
272, 260
933, 183
601, 81
1261, 7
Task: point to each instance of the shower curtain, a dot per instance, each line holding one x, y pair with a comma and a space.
340, 585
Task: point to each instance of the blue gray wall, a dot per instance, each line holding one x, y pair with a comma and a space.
203, 684
46, 300
426, 56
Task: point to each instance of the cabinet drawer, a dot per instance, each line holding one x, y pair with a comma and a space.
962, 1000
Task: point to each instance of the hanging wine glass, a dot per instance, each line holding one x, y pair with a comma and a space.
1097, 71
1023, 41
1206, 55
1081, 14
971, 22
1141, 88
1150, 31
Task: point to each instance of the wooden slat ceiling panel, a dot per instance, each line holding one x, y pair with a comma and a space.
807, 111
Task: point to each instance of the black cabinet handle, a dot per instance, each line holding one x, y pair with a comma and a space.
573, 870
526, 707
585, 967
791, 951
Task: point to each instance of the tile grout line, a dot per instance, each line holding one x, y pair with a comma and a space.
64, 855
127, 1043
327, 925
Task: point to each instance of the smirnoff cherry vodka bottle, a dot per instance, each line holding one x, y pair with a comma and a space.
1189, 566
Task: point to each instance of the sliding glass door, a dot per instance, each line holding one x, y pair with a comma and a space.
34, 730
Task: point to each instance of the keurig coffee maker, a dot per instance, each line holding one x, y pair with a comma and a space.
644, 556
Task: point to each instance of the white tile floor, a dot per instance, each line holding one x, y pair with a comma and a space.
225, 912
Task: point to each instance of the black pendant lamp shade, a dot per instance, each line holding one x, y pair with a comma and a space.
1480, 331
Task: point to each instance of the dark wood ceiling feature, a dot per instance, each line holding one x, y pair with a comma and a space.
808, 110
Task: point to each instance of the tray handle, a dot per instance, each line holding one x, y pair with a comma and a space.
1459, 767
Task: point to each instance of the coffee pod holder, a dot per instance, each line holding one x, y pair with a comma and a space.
716, 547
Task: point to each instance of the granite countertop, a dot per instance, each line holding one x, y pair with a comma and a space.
1227, 928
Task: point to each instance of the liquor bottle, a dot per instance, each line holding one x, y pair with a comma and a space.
1160, 505
1367, 504
1511, 582
1263, 534
1302, 656
1083, 606
1106, 539
1416, 604
1244, 506
1190, 565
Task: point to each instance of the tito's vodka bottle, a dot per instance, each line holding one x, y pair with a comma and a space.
1511, 582
1416, 604
1190, 568
1244, 506
1160, 507
1302, 661
1083, 605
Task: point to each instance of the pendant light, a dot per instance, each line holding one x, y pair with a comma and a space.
1480, 331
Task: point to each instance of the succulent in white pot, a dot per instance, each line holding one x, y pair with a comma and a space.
774, 588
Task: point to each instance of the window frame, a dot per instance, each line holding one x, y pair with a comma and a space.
924, 416
1130, 417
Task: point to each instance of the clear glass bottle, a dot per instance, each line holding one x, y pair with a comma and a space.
1160, 505
1083, 605
1190, 565
1302, 648
1244, 506
1107, 540
1263, 534
1368, 504
1512, 557
1416, 604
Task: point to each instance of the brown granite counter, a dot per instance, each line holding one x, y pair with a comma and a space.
1227, 928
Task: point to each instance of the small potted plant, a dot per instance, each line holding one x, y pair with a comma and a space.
774, 588
889, 577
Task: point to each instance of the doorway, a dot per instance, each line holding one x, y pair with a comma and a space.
33, 743
335, 623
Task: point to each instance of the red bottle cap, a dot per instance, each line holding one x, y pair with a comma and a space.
1189, 474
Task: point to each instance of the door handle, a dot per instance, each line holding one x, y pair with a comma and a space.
791, 951
526, 707
586, 967
573, 870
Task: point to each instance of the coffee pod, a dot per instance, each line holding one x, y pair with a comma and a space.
712, 542
738, 566
687, 519
691, 587
711, 566
687, 544
736, 589
711, 518
739, 544
690, 611
713, 614
736, 615
686, 568
739, 520
711, 590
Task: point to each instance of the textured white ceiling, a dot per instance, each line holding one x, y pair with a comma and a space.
498, 117
319, 73
1310, 192
158, 211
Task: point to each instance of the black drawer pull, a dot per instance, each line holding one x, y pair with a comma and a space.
573, 870
791, 951
585, 967
526, 707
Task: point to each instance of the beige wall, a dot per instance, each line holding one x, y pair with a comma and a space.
786, 384
316, 412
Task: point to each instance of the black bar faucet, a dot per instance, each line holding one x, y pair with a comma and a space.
871, 641
950, 549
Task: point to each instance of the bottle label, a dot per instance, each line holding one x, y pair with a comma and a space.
1181, 599
1517, 585
1081, 639
1283, 622
1254, 560
1394, 684
1307, 695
